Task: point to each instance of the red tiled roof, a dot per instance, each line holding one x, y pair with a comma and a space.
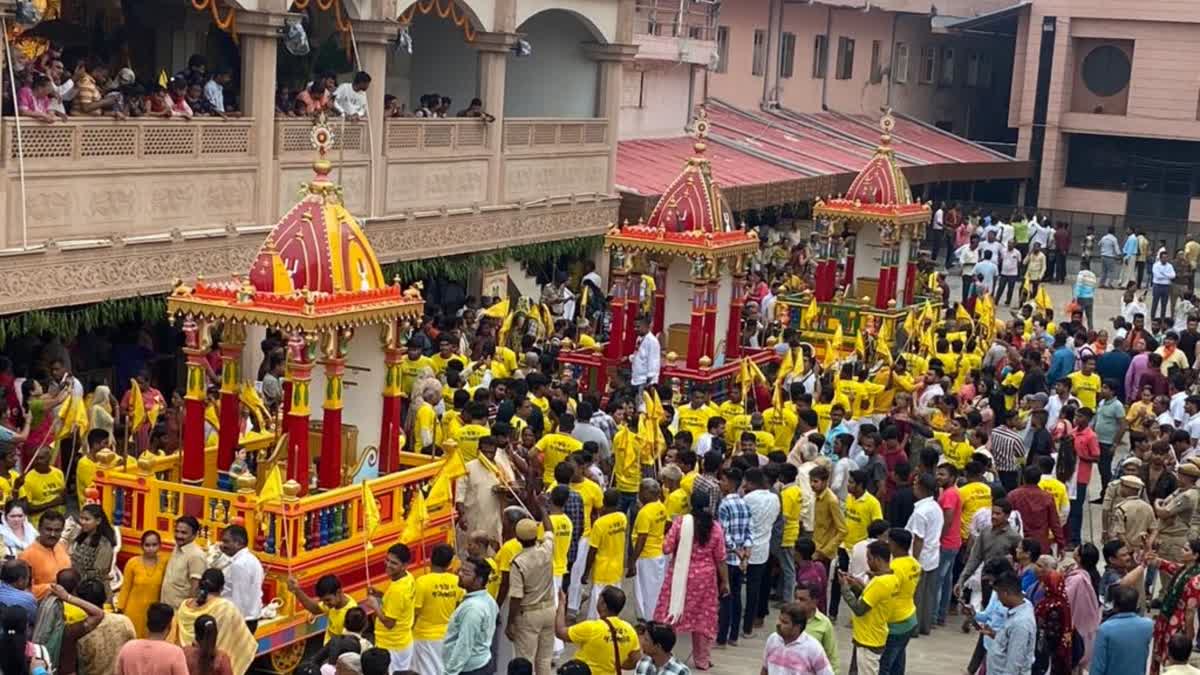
759, 147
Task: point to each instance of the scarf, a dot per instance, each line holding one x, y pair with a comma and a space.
1054, 608
1175, 592
681, 567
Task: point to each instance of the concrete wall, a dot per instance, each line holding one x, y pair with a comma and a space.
558, 79
655, 100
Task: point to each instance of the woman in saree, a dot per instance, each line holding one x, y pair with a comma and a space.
696, 578
100, 416
233, 637
1082, 580
92, 552
39, 422
1180, 601
1054, 627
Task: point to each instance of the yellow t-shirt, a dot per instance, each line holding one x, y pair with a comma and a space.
409, 370
689, 480
397, 605
1085, 388
593, 500
504, 556
678, 503
1057, 489
435, 597
440, 364
860, 513
336, 617
781, 425
493, 584
594, 639
6, 484
957, 453
651, 521
694, 421
72, 614
562, 541
907, 572
791, 506
608, 538
85, 475
974, 496
43, 488
555, 447
871, 629
736, 421
1014, 380
542, 403
823, 421
764, 442
468, 436
426, 427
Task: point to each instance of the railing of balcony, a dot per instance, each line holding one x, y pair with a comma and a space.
293, 138
529, 135
548, 158
108, 142
448, 137
675, 18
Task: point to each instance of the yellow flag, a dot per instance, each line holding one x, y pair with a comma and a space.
860, 346
272, 489
440, 491
928, 314
254, 403
152, 414
72, 417
962, 314
370, 509
1042, 300
810, 313
625, 449
910, 323
498, 310
137, 407
414, 521
162, 78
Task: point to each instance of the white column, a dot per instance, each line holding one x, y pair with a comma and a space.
374, 38
258, 34
493, 68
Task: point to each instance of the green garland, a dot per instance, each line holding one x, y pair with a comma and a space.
459, 268
67, 323
70, 322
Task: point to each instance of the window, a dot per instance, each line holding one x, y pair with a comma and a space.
722, 49
759, 66
787, 55
948, 56
900, 64
633, 86
928, 65
1106, 70
820, 51
876, 66
972, 68
845, 59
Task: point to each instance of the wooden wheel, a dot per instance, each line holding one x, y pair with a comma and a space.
285, 659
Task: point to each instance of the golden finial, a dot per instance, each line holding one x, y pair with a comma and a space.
705, 362
886, 124
700, 129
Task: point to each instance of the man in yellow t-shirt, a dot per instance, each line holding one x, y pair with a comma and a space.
650, 568
1085, 383
435, 597
975, 495
593, 500
85, 465
563, 530
955, 447
426, 432
871, 606
606, 549
781, 424
677, 501
331, 601
791, 509
44, 487
693, 418
1054, 487
473, 427
903, 618
394, 609
412, 366
595, 637
557, 446
862, 509
445, 355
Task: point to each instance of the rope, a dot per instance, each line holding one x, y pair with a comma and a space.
12, 80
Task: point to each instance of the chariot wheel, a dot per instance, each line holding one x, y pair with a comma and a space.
285, 660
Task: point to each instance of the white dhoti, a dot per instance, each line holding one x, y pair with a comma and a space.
651, 572
401, 659
574, 593
558, 644
427, 657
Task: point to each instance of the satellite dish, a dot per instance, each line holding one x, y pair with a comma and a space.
295, 39
521, 49
27, 14
403, 42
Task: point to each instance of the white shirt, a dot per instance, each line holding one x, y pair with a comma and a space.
1010, 262
243, 584
995, 247
938, 218
858, 561
1130, 308
1165, 419
926, 399
704, 444
215, 95
348, 101
646, 361
1039, 235
1163, 272
967, 257
1176, 408
926, 523
764, 509
1054, 408
1192, 426
804, 656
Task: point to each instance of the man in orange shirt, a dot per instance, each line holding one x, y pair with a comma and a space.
47, 556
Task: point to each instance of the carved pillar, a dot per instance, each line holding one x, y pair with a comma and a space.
660, 297
633, 306
299, 373
617, 289
258, 35
733, 335
392, 424
196, 345
848, 273
710, 319
612, 58
374, 39
233, 339
493, 67
696, 327
329, 471
907, 272
821, 281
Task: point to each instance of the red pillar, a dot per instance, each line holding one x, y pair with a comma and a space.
329, 471
299, 373
696, 327
389, 433
885, 276
633, 304
660, 299
710, 320
848, 275
910, 283
195, 350
233, 338
616, 332
733, 335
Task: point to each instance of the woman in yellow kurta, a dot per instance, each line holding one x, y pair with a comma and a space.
142, 583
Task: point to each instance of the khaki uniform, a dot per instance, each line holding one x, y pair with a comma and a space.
1133, 521
1173, 531
531, 586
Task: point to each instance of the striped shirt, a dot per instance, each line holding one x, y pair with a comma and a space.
735, 518
1007, 448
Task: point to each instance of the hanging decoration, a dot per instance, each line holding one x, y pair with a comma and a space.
32, 48
226, 24
68, 323
450, 11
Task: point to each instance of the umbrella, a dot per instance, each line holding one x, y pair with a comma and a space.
58, 31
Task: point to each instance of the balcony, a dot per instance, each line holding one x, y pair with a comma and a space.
554, 158
434, 163
675, 31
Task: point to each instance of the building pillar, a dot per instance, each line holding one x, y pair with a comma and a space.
391, 423
299, 373
660, 298
374, 39
493, 51
612, 59
733, 335
696, 339
329, 471
196, 346
258, 35
233, 340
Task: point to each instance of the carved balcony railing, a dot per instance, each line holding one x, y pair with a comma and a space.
548, 158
